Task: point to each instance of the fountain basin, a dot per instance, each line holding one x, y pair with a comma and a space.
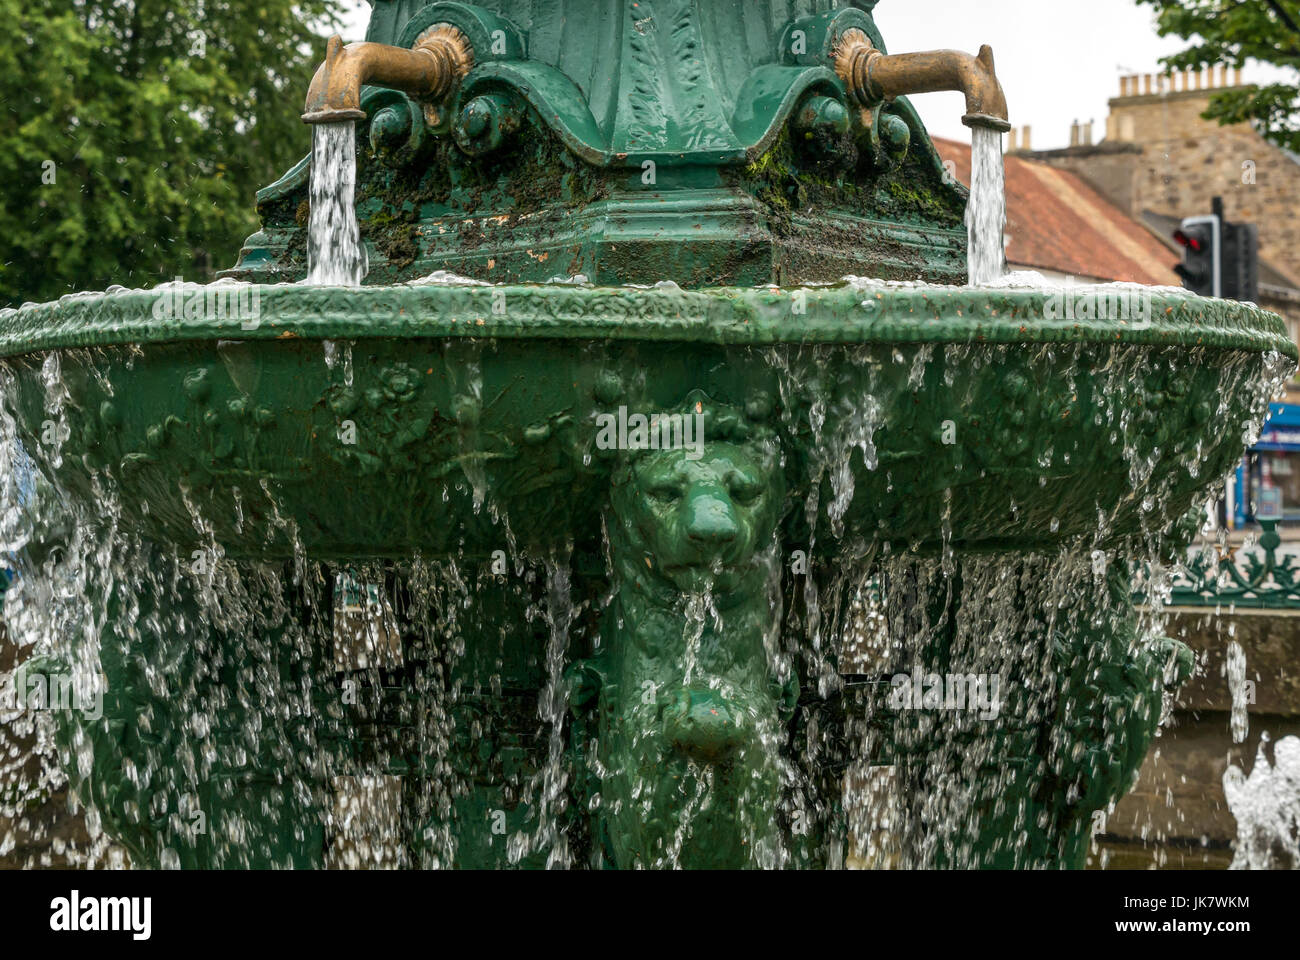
385, 420
863, 425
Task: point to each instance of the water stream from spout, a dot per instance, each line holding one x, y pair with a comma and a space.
335, 254
986, 214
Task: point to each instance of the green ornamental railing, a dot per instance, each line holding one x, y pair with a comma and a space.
1253, 577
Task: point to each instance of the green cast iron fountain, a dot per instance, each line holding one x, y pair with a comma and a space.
691, 551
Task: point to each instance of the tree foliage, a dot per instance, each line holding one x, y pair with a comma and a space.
1232, 32
134, 134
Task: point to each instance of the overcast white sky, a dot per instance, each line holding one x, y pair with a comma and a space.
1059, 60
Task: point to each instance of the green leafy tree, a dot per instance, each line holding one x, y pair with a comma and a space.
134, 134
1232, 32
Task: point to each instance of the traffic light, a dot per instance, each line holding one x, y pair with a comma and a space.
1201, 269
1241, 262
1220, 259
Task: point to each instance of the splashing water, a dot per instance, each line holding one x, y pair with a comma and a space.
1267, 807
335, 254
986, 214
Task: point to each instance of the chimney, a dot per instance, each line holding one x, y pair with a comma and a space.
1074, 134
1026, 143
1087, 133
1012, 137
1236, 77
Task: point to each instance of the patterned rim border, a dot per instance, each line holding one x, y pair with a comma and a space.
818, 314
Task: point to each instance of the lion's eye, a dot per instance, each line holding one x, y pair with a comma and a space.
745, 491
664, 493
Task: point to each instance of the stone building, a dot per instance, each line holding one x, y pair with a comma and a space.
1061, 226
1161, 161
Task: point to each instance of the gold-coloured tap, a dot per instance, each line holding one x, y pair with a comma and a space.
428, 72
872, 76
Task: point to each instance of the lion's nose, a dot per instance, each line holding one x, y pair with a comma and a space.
710, 518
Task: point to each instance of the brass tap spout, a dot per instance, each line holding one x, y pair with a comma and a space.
429, 71
872, 76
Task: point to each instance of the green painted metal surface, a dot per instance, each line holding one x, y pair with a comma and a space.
475, 390
634, 142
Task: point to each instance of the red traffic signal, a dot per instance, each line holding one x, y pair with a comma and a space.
1200, 270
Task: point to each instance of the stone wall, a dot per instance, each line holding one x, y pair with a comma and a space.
1177, 815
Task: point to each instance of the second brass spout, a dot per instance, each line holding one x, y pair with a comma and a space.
428, 71
873, 76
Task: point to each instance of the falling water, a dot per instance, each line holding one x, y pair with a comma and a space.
553, 707
1235, 668
986, 214
925, 793
335, 254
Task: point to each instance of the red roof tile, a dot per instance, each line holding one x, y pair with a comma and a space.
1056, 221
